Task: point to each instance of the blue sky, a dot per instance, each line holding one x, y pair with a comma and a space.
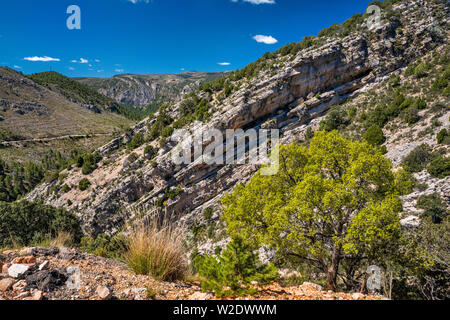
157, 36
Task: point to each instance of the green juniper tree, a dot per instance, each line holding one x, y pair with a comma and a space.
330, 203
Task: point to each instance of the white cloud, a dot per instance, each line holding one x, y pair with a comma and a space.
17, 67
119, 70
136, 1
81, 61
265, 39
256, 1
100, 71
223, 63
97, 60
71, 68
41, 59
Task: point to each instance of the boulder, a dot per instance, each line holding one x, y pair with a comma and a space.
38, 295
46, 280
199, 296
19, 285
17, 270
103, 293
26, 251
410, 222
67, 254
6, 284
357, 296
24, 260
5, 268
22, 295
46, 251
311, 286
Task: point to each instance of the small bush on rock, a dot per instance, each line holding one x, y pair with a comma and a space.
235, 269
84, 184
439, 167
433, 207
149, 152
418, 159
442, 136
137, 141
374, 135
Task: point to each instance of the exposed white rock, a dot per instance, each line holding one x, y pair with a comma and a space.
410, 222
16, 270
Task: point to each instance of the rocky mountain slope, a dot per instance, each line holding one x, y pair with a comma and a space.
143, 90
37, 110
291, 91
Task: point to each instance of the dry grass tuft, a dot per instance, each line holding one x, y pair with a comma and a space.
157, 249
62, 239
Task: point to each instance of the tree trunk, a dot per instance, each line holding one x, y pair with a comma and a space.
333, 270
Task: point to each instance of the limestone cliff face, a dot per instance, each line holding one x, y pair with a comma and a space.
142, 90
293, 99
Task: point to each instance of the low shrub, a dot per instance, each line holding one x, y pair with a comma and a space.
162, 121
105, 246
235, 268
439, 167
442, 136
24, 223
208, 213
132, 158
434, 207
374, 135
334, 120
411, 115
420, 71
89, 162
378, 116
418, 159
65, 188
446, 92
137, 141
394, 80
51, 176
149, 152
420, 103
439, 84
173, 193
84, 184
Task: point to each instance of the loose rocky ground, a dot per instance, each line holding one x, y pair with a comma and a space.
42, 273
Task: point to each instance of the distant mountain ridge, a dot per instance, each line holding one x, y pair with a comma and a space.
48, 107
152, 89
